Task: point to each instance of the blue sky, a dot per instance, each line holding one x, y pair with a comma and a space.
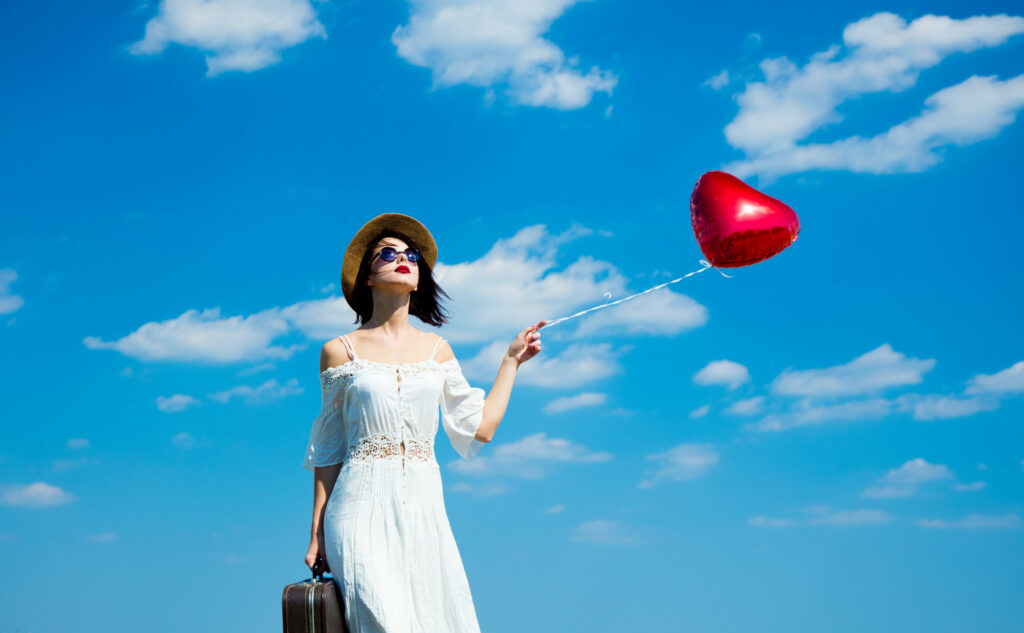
830, 440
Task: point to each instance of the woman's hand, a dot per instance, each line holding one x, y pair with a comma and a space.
526, 345
316, 550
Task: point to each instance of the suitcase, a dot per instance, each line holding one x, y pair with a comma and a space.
314, 605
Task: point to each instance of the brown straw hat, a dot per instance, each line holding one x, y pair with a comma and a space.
421, 237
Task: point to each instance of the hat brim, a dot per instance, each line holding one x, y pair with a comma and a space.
402, 223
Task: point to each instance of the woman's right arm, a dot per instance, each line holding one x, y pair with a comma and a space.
324, 478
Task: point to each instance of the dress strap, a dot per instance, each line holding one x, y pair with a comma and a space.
344, 339
437, 346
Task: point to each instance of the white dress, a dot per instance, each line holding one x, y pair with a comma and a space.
388, 540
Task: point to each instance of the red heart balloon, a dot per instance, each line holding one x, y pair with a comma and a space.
737, 225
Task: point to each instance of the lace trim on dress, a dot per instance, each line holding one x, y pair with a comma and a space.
333, 374
384, 446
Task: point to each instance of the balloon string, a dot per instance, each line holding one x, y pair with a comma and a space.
705, 265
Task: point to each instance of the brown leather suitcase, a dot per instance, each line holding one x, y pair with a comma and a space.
314, 605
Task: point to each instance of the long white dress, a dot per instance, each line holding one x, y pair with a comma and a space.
388, 540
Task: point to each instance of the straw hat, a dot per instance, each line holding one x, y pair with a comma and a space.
412, 227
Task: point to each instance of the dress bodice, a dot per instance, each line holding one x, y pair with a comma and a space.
368, 408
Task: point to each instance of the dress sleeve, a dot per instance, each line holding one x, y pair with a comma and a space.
462, 411
328, 441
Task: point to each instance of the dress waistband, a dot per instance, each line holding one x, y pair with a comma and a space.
384, 446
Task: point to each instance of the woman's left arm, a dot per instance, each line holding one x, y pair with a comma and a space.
525, 346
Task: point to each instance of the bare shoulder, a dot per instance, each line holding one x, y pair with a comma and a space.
333, 353
444, 353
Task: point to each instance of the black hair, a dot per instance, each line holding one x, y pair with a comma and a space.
424, 302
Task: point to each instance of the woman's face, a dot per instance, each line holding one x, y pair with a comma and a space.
399, 273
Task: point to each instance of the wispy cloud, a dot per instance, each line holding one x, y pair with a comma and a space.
906, 480
529, 458
264, 392
880, 53
1007, 381
975, 522
824, 515
700, 411
871, 372
806, 412
580, 400
242, 35
485, 489
499, 42
576, 365
936, 406
680, 463
868, 374
9, 302
750, 406
605, 532
183, 439
176, 403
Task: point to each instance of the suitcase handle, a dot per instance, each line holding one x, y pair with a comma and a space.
318, 568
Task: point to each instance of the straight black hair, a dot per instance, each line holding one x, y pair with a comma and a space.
424, 302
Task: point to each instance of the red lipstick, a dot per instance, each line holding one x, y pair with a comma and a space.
401, 269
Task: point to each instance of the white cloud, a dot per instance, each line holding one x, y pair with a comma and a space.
722, 372
104, 537
935, 406
35, 495
568, 403
515, 283
975, 522
977, 485
880, 53
1009, 380
806, 413
528, 458
577, 364
490, 42
243, 35
750, 406
183, 439
78, 442
763, 521
871, 372
906, 480
851, 518
700, 411
62, 465
174, 404
9, 302
555, 509
486, 489
265, 392
681, 463
824, 515
205, 336
971, 111
719, 81
603, 532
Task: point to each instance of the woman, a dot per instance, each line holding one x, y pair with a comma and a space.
379, 519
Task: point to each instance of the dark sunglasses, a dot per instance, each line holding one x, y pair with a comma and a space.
389, 254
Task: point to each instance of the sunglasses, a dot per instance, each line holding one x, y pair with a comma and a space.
389, 254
